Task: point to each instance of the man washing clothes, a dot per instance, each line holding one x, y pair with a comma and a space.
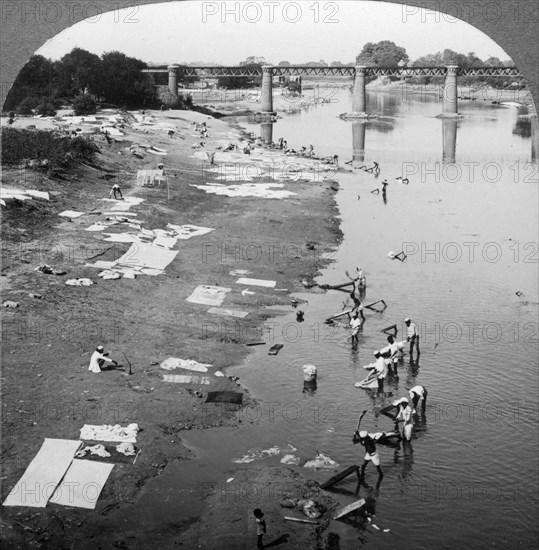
98, 359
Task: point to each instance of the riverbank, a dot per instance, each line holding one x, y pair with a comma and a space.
48, 391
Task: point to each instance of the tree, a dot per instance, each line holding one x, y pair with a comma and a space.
253, 60
336, 64
85, 104
123, 82
493, 62
36, 79
45, 108
240, 82
79, 71
320, 63
450, 57
429, 60
236, 82
27, 106
382, 54
284, 64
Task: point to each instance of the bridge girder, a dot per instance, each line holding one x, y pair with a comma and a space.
339, 71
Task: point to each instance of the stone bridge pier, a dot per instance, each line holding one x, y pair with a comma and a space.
450, 106
173, 79
266, 95
359, 96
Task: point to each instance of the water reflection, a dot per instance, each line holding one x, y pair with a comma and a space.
449, 140
266, 132
405, 459
388, 104
534, 137
310, 387
522, 128
359, 129
526, 128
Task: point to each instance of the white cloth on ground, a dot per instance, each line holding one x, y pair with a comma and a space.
186, 379
43, 474
187, 364
208, 295
255, 282
82, 484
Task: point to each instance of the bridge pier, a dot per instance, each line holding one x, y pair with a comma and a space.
359, 96
173, 79
266, 100
450, 106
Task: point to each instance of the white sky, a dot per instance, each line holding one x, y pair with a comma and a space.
228, 32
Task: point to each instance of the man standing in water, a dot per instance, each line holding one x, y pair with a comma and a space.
380, 368
355, 325
371, 455
417, 393
412, 336
393, 359
406, 415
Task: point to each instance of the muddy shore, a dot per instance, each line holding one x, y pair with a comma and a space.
47, 390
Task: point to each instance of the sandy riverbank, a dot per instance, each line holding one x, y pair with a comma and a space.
47, 390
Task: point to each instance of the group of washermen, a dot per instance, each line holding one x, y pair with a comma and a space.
282, 144
404, 408
401, 410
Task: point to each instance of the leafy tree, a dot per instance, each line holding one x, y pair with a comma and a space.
236, 82
240, 82
336, 64
284, 64
79, 71
382, 54
27, 105
320, 63
253, 60
35, 79
85, 104
429, 60
450, 57
123, 82
493, 62
45, 108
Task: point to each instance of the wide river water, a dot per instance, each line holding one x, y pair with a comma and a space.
469, 220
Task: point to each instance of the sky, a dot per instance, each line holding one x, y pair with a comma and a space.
298, 32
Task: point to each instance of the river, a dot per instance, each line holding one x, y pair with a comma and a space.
468, 220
